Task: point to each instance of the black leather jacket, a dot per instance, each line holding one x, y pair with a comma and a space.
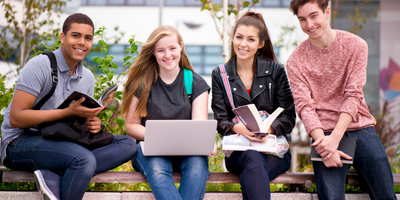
270, 89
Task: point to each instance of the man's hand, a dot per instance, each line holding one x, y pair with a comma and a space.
326, 146
93, 124
77, 109
92, 121
334, 160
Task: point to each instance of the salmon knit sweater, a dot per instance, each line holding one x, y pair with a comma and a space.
326, 82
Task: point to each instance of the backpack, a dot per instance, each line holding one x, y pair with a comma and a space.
188, 79
54, 78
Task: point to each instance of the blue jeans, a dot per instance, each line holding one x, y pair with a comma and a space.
256, 170
158, 172
76, 163
371, 163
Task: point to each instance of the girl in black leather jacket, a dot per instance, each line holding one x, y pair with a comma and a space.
254, 77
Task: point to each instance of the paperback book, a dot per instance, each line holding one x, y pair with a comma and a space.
257, 122
251, 118
240, 143
105, 99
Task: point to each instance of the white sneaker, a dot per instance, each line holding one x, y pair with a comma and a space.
44, 191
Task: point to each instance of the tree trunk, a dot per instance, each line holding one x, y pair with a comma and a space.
23, 28
225, 37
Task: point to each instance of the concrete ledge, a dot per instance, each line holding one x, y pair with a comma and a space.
33, 195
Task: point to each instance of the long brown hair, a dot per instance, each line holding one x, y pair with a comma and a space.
146, 70
256, 20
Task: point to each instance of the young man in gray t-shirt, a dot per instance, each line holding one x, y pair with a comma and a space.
63, 169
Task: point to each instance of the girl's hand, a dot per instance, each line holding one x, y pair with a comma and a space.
214, 152
242, 130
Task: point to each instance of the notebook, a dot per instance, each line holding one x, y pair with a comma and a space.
179, 137
347, 145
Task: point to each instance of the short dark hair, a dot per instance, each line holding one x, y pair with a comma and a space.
79, 18
295, 4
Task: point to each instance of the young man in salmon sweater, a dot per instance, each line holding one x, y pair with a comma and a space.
327, 73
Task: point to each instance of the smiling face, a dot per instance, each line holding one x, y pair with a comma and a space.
246, 42
76, 43
168, 53
313, 21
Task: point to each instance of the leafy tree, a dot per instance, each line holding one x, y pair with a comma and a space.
6, 94
233, 8
20, 36
356, 16
221, 13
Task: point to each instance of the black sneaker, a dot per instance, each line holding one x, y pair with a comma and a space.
41, 185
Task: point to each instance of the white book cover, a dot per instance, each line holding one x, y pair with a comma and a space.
240, 143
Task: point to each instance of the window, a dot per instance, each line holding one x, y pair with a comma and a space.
370, 32
203, 58
269, 3
97, 2
173, 2
193, 3
142, 2
262, 3
116, 2
286, 3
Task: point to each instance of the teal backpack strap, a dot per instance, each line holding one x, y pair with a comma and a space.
188, 79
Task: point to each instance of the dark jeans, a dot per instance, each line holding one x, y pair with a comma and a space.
371, 163
256, 171
158, 172
76, 163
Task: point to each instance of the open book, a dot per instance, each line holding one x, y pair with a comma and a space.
347, 145
241, 143
105, 99
250, 117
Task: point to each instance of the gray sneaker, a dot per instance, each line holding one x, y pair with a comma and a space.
41, 185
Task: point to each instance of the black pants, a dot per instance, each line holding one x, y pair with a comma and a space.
256, 170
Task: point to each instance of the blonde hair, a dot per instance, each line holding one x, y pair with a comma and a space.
146, 70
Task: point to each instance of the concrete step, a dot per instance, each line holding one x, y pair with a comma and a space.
32, 195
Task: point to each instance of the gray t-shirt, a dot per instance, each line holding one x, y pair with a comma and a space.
170, 101
35, 78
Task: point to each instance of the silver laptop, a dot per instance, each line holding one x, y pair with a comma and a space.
179, 137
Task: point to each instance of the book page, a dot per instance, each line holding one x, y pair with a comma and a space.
249, 116
271, 118
108, 96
